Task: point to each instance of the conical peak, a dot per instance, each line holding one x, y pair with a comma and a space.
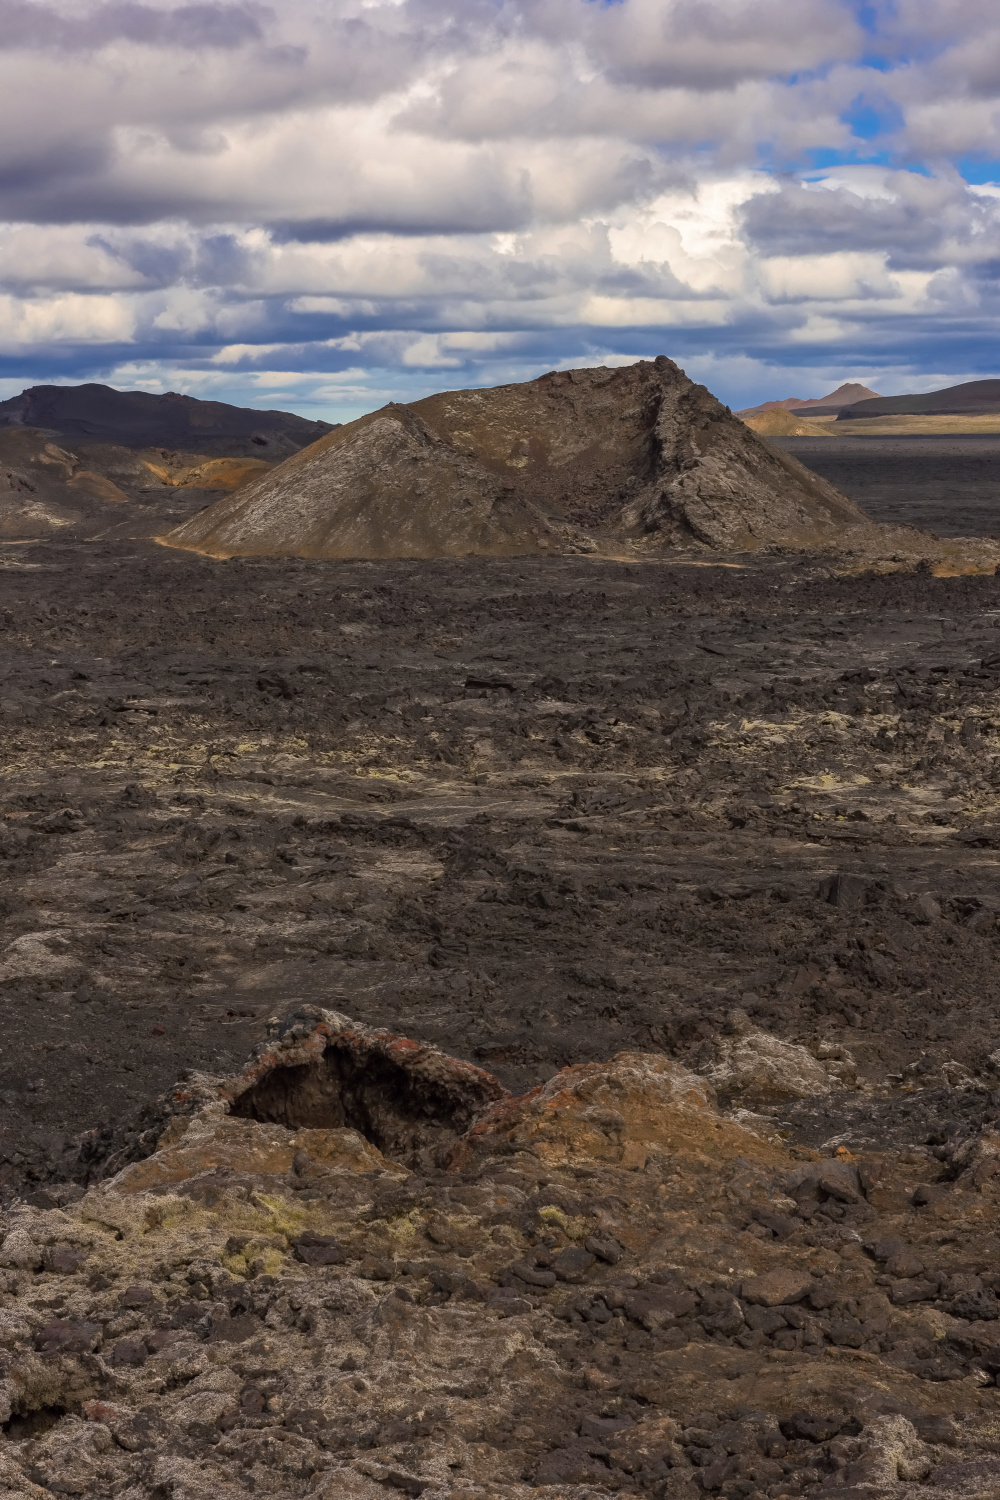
636, 457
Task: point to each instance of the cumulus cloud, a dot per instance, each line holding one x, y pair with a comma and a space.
912, 220
718, 43
333, 200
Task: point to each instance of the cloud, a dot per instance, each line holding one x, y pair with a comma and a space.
41, 27
69, 318
336, 199
913, 220
711, 44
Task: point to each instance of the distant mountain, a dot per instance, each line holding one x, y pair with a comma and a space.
137, 419
974, 398
818, 406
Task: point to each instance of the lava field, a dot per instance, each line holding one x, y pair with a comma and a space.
689, 869
532, 812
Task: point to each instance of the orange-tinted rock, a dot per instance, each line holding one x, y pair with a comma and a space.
786, 1285
622, 1111
244, 1146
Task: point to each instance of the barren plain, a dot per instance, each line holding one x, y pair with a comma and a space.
947, 482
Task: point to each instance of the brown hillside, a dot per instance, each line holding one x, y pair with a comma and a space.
591, 460
778, 423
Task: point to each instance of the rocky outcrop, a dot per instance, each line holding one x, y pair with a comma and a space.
606, 1288
638, 458
318, 1071
618, 1112
755, 1068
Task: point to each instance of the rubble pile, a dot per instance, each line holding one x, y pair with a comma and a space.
415, 1283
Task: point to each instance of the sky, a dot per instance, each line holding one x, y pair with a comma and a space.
325, 205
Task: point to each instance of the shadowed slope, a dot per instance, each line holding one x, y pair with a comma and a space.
598, 459
973, 398
138, 419
87, 489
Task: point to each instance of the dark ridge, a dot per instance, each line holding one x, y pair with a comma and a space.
980, 397
137, 419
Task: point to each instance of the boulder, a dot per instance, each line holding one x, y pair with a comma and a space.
758, 1068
